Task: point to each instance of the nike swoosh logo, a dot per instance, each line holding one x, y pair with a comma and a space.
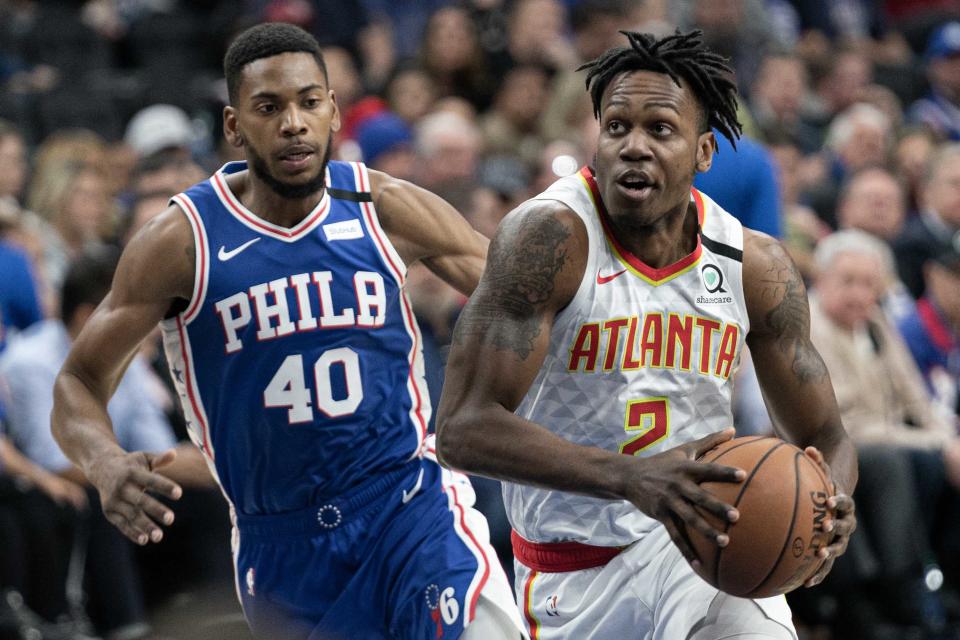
407, 497
225, 255
605, 279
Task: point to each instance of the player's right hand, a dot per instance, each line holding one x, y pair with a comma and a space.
666, 486
125, 482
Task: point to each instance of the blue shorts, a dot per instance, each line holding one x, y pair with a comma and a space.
397, 558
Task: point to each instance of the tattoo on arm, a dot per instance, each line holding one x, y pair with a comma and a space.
518, 283
789, 320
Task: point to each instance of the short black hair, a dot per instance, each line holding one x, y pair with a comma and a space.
264, 41
88, 280
681, 55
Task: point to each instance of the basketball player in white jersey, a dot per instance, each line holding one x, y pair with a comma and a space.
610, 319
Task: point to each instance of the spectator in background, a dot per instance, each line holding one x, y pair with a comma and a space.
777, 101
859, 137
346, 82
19, 301
932, 332
38, 520
502, 184
595, 25
410, 93
386, 144
13, 163
842, 83
872, 200
911, 157
879, 389
940, 109
72, 200
743, 181
512, 125
448, 148
802, 229
29, 369
928, 234
536, 35
737, 29
887, 412
159, 128
452, 56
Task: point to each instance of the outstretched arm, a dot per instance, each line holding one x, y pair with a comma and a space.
155, 269
423, 226
536, 264
795, 383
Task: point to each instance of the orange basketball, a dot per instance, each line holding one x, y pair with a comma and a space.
782, 503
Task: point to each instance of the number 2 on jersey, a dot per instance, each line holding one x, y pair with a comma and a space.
288, 386
649, 416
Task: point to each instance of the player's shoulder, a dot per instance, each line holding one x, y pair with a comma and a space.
772, 284
163, 253
539, 219
762, 252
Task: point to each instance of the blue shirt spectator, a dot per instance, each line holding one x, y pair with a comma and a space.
744, 182
30, 367
19, 304
940, 109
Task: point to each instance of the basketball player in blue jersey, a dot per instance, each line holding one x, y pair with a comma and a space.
278, 284
611, 316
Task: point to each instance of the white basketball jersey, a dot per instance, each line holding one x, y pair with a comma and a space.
640, 361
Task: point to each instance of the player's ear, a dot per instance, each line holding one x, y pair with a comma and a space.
231, 129
335, 118
706, 146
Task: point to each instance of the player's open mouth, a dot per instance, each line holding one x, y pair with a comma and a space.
635, 186
296, 158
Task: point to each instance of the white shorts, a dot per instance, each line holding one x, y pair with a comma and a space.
647, 592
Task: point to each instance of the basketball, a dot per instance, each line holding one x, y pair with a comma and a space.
782, 503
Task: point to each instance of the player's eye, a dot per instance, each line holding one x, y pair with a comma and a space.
312, 103
267, 108
662, 129
615, 127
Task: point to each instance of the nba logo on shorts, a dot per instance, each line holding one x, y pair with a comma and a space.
250, 578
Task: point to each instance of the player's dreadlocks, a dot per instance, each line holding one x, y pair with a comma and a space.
681, 55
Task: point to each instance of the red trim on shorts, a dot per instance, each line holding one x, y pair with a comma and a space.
560, 557
472, 611
532, 623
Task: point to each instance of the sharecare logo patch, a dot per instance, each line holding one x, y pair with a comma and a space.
346, 230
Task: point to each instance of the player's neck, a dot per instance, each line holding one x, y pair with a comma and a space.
268, 205
670, 238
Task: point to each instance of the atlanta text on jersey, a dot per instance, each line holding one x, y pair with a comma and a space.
653, 340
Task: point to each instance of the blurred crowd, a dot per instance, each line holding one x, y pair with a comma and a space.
851, 156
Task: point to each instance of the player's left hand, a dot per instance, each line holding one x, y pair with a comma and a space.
125, 482
839, 524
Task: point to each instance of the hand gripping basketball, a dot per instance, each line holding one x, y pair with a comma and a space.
667, 487
840, 524
787, 528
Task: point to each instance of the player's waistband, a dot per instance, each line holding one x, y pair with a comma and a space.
558, 557
330, 515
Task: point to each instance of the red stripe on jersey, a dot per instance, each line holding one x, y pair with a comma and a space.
295, 232
652, 273
191, 211
189, 383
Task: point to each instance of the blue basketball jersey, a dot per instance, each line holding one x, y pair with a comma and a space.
298, 358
